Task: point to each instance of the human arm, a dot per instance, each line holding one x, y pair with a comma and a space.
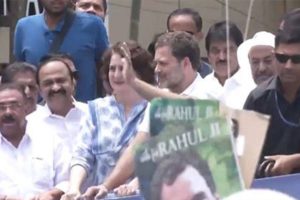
144, 89
123, 170
82, 160
282, 165
18, 39
77, 177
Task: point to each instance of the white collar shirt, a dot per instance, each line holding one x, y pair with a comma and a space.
233, 93
196, 88
39, 164
66, 127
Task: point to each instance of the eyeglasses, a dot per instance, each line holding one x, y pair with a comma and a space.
283, 58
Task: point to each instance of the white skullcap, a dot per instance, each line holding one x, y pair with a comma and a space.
260, 38
259, 194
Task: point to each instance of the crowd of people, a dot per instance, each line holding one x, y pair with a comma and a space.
73, 107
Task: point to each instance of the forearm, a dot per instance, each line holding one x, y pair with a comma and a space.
295, 159
150, 92
77, 176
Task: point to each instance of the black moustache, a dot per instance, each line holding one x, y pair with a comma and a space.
8, 118
61, 91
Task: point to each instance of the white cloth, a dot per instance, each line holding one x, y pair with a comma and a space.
196, 90
67, 128
40, 163
235, 90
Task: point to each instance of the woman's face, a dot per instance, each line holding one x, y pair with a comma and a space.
115, 76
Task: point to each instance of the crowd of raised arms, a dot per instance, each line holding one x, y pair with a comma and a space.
73, 107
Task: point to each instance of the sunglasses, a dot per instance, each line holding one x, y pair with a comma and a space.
283, 58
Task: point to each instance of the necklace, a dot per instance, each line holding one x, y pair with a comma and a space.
281, 115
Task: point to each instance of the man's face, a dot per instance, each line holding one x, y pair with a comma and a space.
169, 70
56, 85
94, 7
28, 80
262, 62
217, 56
287, 69
184, 23
189, 185
12, 113
55, 7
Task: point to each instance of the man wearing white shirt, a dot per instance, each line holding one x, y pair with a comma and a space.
62, 113
34, 163
228, 83
176, 61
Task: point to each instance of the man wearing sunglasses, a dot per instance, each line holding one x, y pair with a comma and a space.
280, 98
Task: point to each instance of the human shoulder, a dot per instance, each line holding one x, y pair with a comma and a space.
33, 19
40, 132
81, 106
102, 103
204, 69
258, 97
89, 19
263, 88
209, 77
39, 113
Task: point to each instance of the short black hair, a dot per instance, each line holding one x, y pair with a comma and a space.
172, 165
50, 58
182, 45
289, 30
186, 11
217, 32
151, 46
13, 69
13, 86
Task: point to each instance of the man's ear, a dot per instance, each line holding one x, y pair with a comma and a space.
199, 35
186, 62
